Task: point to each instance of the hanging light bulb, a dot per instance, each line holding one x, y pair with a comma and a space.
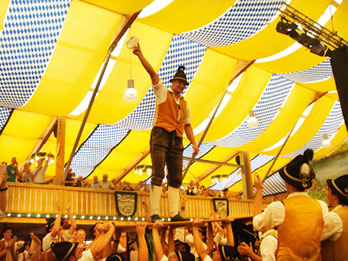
131, 94
136, 171
326, 142
149, 171
252, 122
140, 172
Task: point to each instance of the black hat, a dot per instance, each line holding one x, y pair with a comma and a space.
298, 172
185, 256
50, 223
179, 242
63, 250
180, 75
227, 252
340, 187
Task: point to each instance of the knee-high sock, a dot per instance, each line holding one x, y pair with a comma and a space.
155, 199
173, 199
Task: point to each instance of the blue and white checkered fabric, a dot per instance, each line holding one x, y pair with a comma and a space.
96, 148
272, 98
203, 150
330, 126
320, 72
241, 21
255, 163
273, 185
180, 52
4, 115
27, 40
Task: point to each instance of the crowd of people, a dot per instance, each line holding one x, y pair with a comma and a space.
37, 176
320, 234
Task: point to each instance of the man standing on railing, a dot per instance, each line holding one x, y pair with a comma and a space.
166, 147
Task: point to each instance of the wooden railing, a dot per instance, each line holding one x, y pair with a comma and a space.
42, 199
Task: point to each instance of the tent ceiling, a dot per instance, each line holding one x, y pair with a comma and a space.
53, 77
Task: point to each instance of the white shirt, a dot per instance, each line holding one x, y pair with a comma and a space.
40, 176
190, 241
164, 258
105, 185
274, 215
220, 239
268, 246
47, 241
338, 225
207, 258
27, 256
86, 256
161, 93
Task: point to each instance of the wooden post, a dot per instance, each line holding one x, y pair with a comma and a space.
61, 125
246, 175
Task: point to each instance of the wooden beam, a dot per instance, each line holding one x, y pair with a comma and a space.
211, 170
246, 175
42, 140
221, 163
61, 126
134, 163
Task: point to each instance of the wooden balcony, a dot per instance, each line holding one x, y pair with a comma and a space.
27, 201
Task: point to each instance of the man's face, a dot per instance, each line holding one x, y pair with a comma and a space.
330, 196
13, 160
105, 178
178, 86
7, 234
81, 236
39, 163
95, 179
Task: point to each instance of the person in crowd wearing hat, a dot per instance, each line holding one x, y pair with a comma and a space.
7, 245
3, 190
335, 248
302, 222
175, 253
268, 247
12, 170
222, 252
67, 251
166, 146
39, 172
202, 232
24, 253
55, 231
